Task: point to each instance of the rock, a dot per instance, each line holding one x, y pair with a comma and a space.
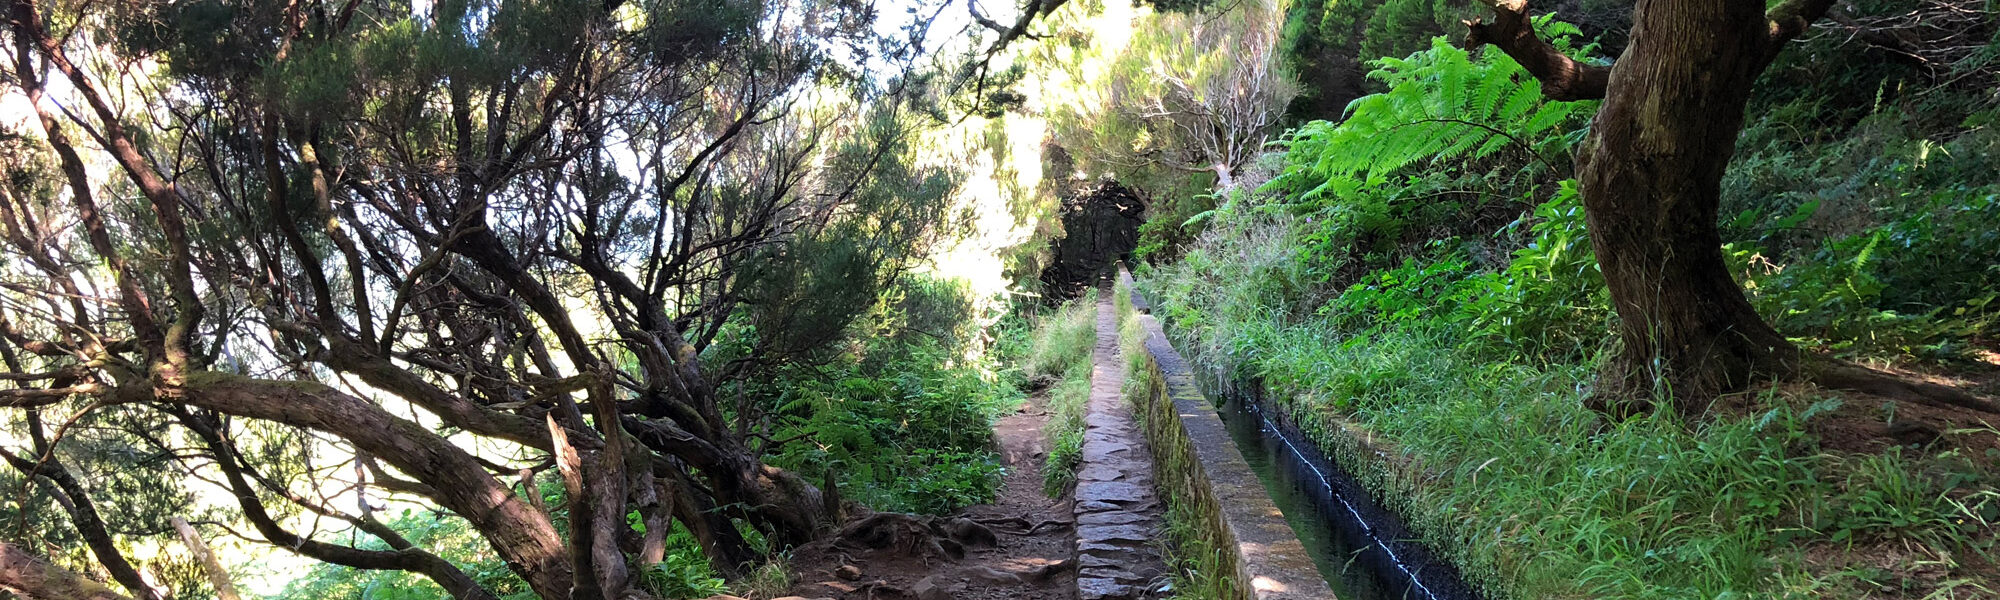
1103, 450
1121, 573
1113, 492
1092, 561
724, 597
1115, 533
990, 574
1110, 517
1098, 472
929, 589
848, 572
1092, 588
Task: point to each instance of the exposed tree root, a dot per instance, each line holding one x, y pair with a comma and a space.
882, 587
1022, 524
1842, 375
1620, 398
914, 535
1049, 571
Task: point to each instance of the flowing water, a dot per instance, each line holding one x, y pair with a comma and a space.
1364, 552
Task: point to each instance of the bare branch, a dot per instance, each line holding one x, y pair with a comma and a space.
1562, 77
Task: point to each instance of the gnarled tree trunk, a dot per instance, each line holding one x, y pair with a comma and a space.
1651, 178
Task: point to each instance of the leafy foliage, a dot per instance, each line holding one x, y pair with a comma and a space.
1432, 282
1441, 106
682, 576
902, 419
1185, 105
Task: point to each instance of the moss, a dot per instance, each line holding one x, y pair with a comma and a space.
1204, 567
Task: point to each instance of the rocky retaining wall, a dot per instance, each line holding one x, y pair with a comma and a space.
1197, 464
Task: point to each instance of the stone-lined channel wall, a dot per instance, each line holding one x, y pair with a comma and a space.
1197, 463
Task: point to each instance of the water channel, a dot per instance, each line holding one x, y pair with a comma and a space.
1364, 552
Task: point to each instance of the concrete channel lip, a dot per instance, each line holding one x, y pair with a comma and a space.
1272, 557
1373, 537
1269, 561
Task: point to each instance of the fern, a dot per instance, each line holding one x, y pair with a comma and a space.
1442, 106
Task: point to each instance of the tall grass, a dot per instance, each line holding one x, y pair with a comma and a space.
1500, 466
1063, 340
1061, 351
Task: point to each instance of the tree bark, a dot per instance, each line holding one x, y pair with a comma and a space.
404, 556
1651, 179
1650, 174
521, 534
1562, 77
225, 588
35, 579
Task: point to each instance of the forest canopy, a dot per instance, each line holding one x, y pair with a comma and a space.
633, 298
517, 261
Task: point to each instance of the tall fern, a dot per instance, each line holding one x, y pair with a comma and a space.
1442, 105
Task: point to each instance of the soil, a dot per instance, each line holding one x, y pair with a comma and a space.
1033, 559
1870, 424
1867, 423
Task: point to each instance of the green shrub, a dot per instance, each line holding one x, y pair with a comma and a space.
1363, 290
682, 577
1917, 286
901, 418
915, 436
1550, 300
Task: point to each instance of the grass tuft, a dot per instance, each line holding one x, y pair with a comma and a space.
1500, 466
1061, 351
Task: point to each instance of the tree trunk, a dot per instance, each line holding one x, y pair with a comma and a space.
522, 535
1651, 180
35, 579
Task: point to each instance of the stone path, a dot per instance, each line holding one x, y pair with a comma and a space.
1117, 513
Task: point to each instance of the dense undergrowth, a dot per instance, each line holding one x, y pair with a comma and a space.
899, 419
1422, 270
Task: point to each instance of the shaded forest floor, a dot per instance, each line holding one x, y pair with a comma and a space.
1030, 557
1869, 423
1865, 425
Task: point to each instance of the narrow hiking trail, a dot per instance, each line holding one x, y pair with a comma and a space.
1118, 512
1031, 557
1097, 543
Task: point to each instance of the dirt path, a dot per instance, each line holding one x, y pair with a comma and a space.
1025, 565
